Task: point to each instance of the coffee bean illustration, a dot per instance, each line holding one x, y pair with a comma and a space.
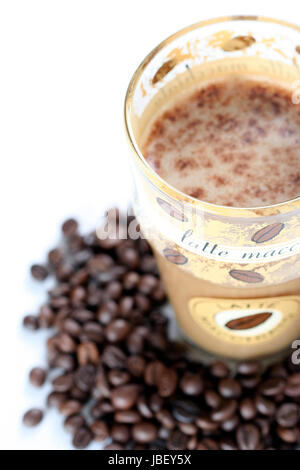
172, 210
267, 233
249, 321
246, 276
163, 70
174, 256
238, 43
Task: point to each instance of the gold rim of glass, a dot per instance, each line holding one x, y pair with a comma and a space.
266, 210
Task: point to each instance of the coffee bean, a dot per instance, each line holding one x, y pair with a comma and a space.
229, 388
130, 280
206, 424
70, 227
136, 365
144, 408
248, 437
224, 411
82, 438
219, 369
153, 372
230, 424
85, 377
125, 396
117, 330
73, 423
212, 398
63, 383
87, 353
207, 444
55, 257
100, 430
247, 408
113, 357
191, 384
292, 388
37, 376
65, 343
264, 406
127, 417
144, 432
39, 272
55, 399
267, 233
272, 387
31, 322
120, 433
290, 435
177, 441
288, 415
65, 361
250, 277
32, 417
70, 407
167, 382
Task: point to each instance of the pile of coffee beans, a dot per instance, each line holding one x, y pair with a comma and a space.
121, 381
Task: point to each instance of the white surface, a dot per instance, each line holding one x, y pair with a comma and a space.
65, 66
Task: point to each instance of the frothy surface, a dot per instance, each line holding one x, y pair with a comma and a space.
234, 142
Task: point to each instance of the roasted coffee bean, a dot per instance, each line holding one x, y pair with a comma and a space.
31, 322
120, 433
70, 227
118, 377
167, 382
288, 415
229, 388
127, 417
144, 408
125, 396
230, 424
177, 441
248, 437
72, 327
207, 444
219, 369
65, 343
93, 331
272, 387
107, 312
46, 317
55, 399
153, 372
117, 330
144, 432
55, 257
289, 435
130, 280
212, 398
185, 410
70, 407
191, 384
136, 365
37, 376
224, 411
165, 418
73, 423
248, 368
63, 383
156, 402
250, 381
247, 408
206, 424
82, 438
292, 388
85, 377
87, 353
39, 272
33, 417
65, 361
100, 430
264, 406
113, 357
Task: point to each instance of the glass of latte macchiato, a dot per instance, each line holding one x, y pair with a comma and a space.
213, 120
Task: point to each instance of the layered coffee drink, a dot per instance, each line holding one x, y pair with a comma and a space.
233, 142
216, 136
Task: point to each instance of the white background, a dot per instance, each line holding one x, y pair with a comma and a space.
64, 69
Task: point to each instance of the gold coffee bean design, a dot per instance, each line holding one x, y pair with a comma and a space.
251, 277
172, 210
238, 43
174, 256
164, 70
267, 233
